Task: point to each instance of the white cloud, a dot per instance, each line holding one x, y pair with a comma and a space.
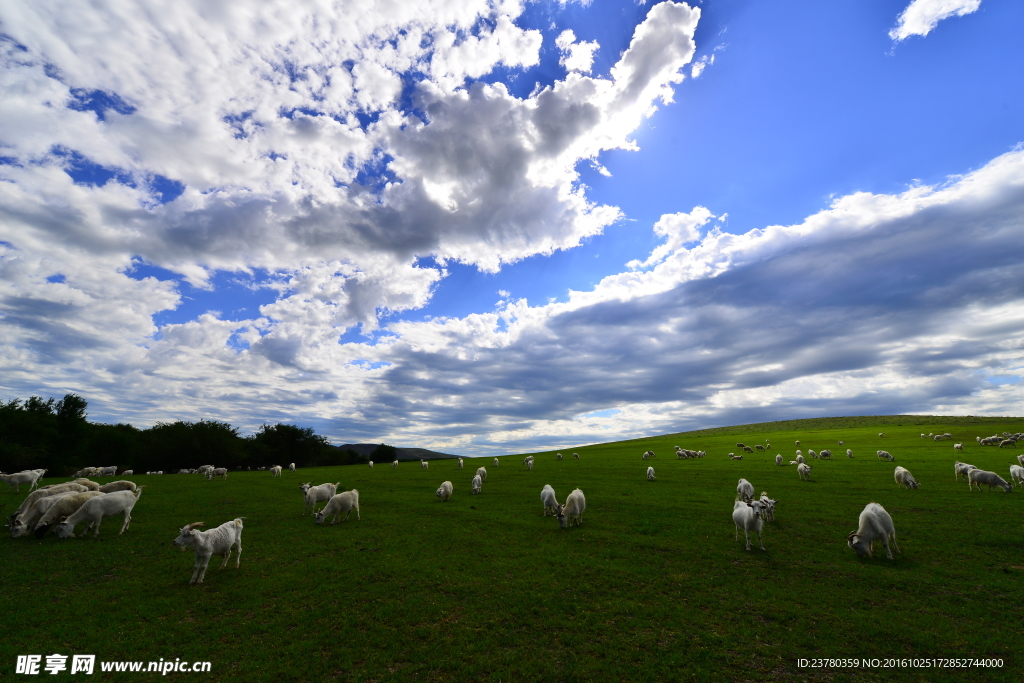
878, 304
334, 147
679, 228
576, 56
305, 135
701, 64
330, 145
921, 16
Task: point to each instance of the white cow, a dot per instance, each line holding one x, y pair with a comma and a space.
875, 525
206, 544
547, 497
94, 510
573, 509
346, 502
746, 515
905, 478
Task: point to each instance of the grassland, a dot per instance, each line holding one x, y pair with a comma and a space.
652, 587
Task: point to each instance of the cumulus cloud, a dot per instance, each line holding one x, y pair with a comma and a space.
332, 146
302, 134
679, 229
878, 304
338, 148
921, 16
576, 56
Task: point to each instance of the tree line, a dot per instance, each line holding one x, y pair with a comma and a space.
56, 435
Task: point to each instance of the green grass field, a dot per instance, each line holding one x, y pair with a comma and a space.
652, 587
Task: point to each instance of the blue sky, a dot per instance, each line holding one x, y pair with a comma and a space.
493, 227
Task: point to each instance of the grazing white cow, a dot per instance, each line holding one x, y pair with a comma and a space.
978, 477
346, 502
875, 525
650, 474
116, 486
95, 509
62, 506
547, 497
444, 491
477, 485
573, 509
905, 478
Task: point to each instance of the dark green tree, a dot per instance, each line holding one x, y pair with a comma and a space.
383, 453
176, 445
282, 444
